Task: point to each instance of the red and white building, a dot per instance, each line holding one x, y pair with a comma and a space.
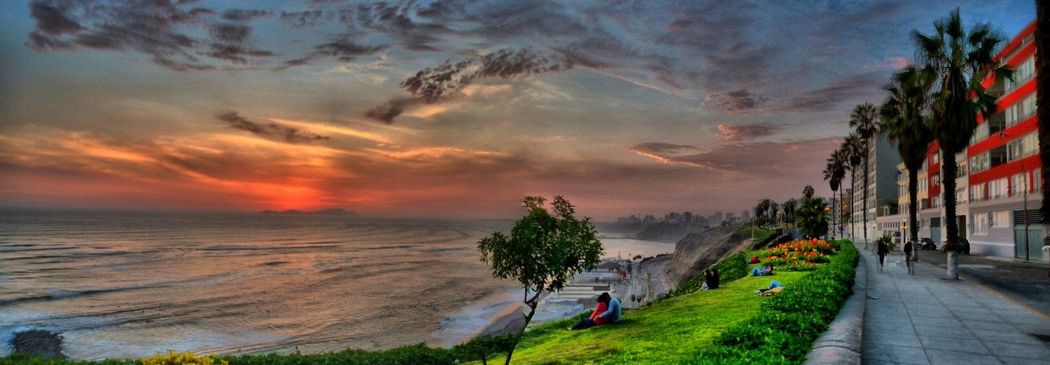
998, 173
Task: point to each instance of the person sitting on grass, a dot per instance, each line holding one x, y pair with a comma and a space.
774, 287
757, 271
715, 278
607, 310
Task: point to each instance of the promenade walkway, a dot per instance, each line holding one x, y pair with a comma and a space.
922, 319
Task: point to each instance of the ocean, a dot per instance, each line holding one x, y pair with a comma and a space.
133, 285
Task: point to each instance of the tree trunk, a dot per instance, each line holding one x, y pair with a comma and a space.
865, 202
532, 311
1042, 66
852, 222
833, 214
951, 222
953, 265
913, 211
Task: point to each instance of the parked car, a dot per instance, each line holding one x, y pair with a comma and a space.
964, 245
927, 244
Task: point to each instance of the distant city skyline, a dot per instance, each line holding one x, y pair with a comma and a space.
440, 108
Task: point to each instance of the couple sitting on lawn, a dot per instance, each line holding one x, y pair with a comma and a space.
606, 311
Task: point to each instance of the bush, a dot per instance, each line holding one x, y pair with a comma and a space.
181, 358
787, 324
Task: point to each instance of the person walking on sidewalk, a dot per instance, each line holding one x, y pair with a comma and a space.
882, 251
907, 258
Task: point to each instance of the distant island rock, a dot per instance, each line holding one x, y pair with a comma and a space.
332, 211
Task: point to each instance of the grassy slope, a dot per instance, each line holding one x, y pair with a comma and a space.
665, 332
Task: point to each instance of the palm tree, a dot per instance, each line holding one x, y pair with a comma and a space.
853, 150
834, 173
1042, 66
864, 120
960, 61
905, 120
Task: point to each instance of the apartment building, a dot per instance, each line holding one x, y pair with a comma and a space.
882, 189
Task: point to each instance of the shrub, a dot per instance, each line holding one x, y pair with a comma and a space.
181, 358
787, 324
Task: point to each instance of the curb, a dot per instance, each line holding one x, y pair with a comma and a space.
842, 342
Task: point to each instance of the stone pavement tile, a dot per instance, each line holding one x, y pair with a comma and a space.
933, 320
1018, 350
885, 315
952, 330
939, 357
1022, 361
890, 338
926, 308
971, 346
987, 325
894, 325
974, 314
896, 354
1012, 336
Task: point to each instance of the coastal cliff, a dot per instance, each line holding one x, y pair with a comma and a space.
698, 251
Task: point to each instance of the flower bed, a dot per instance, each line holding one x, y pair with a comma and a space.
800, 255
787, 324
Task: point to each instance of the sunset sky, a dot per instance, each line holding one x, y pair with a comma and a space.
440, 108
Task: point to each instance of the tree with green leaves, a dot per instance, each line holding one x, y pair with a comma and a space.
864, 121
790, 206
811, 216
543, 252
833, 174
853, 150
960, 62
761, 209
906, 121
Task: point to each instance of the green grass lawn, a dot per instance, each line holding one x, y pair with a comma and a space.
663, 333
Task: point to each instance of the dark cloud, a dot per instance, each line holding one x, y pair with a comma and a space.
765, 159
51, 20
268, 130
391, 109
343, 49
662, 149
747, 132
152, 28
242, 15
397, 21
735, 101
433, 84
302, 18
229, 43
851, 88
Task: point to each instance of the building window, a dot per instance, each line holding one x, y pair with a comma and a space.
977, 192
1001, 219
1020, 111
980, 224
1018, 184
997, 188
1023, 72
980, 133
979, 163
1036, 180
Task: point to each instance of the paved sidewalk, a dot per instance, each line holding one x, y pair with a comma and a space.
922, 319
